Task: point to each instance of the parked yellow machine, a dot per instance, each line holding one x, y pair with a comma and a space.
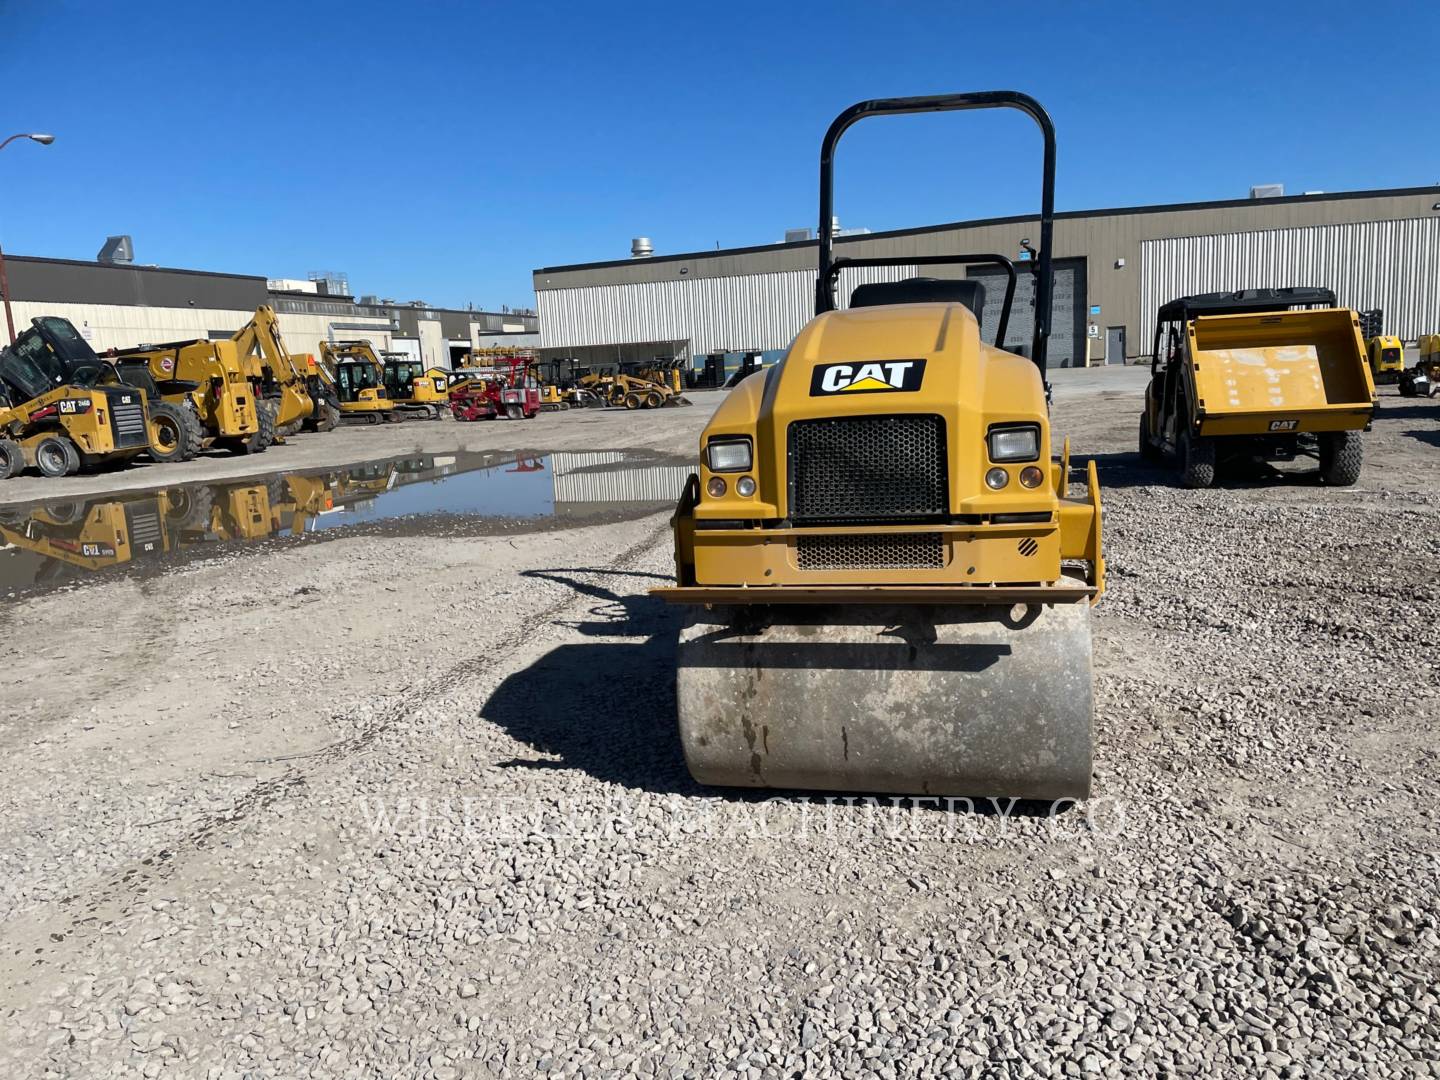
1423, 380
1387, 358
292, 390
206, 380
359, 379
1258, 374
891, 582
91, 535
415, 389
630, 391
63, 408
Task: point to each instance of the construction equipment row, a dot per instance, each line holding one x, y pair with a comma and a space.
64, 408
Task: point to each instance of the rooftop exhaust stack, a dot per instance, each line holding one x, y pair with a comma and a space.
1267, 191
641, 248
117, 250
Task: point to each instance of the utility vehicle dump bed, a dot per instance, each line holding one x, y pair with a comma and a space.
1300, 371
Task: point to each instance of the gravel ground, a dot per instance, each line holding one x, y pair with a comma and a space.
383, 806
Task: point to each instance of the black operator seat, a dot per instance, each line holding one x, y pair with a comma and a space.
922, 290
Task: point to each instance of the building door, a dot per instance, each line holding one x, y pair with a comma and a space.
1068, 346
1114, 345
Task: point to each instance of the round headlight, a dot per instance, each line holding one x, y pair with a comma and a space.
745, 486
716, 487
997, 478
1031, 476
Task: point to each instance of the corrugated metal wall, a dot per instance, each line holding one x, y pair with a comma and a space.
1393, 265
584, 478
754, 311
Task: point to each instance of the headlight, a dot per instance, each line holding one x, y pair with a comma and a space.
1014, 442
728, 455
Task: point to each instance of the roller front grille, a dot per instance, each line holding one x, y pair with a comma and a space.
871, 551
868, 468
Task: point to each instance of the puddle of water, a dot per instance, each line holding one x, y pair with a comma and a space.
49, 544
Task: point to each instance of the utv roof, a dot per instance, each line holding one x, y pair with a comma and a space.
1246, 300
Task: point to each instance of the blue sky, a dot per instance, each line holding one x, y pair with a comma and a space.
443, 151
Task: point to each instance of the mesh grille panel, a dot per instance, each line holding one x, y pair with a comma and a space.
877, 551
868, 468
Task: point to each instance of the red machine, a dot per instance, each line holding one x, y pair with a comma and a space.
505, 387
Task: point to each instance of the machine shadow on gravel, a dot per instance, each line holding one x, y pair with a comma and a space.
1129, 470
1430, 438
607, 707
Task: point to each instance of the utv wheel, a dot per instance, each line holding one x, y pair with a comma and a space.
12, 459
56, 455
1342, 453
1147, 448
1197, 460
172, 437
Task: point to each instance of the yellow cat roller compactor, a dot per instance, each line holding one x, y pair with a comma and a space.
890, 584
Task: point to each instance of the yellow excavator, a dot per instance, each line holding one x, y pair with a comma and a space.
359, 379
416, 390
888, 583
292, 391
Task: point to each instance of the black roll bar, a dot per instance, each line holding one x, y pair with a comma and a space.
984, 99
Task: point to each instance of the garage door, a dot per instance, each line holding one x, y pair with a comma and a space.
1067, 324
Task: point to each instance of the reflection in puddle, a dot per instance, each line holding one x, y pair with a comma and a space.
41, 545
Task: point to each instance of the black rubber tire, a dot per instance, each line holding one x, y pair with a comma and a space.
1197, 460
12, 459
65, 513
56, 455
1342, 455
654, 399
1147, 448
513, 412
327, 416
192, 508
173, 437
632, 401
258, 441
197, 427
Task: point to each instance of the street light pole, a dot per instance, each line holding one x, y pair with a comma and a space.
43, 140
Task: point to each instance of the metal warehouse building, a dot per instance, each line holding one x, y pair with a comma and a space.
1376, 249
123, 304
